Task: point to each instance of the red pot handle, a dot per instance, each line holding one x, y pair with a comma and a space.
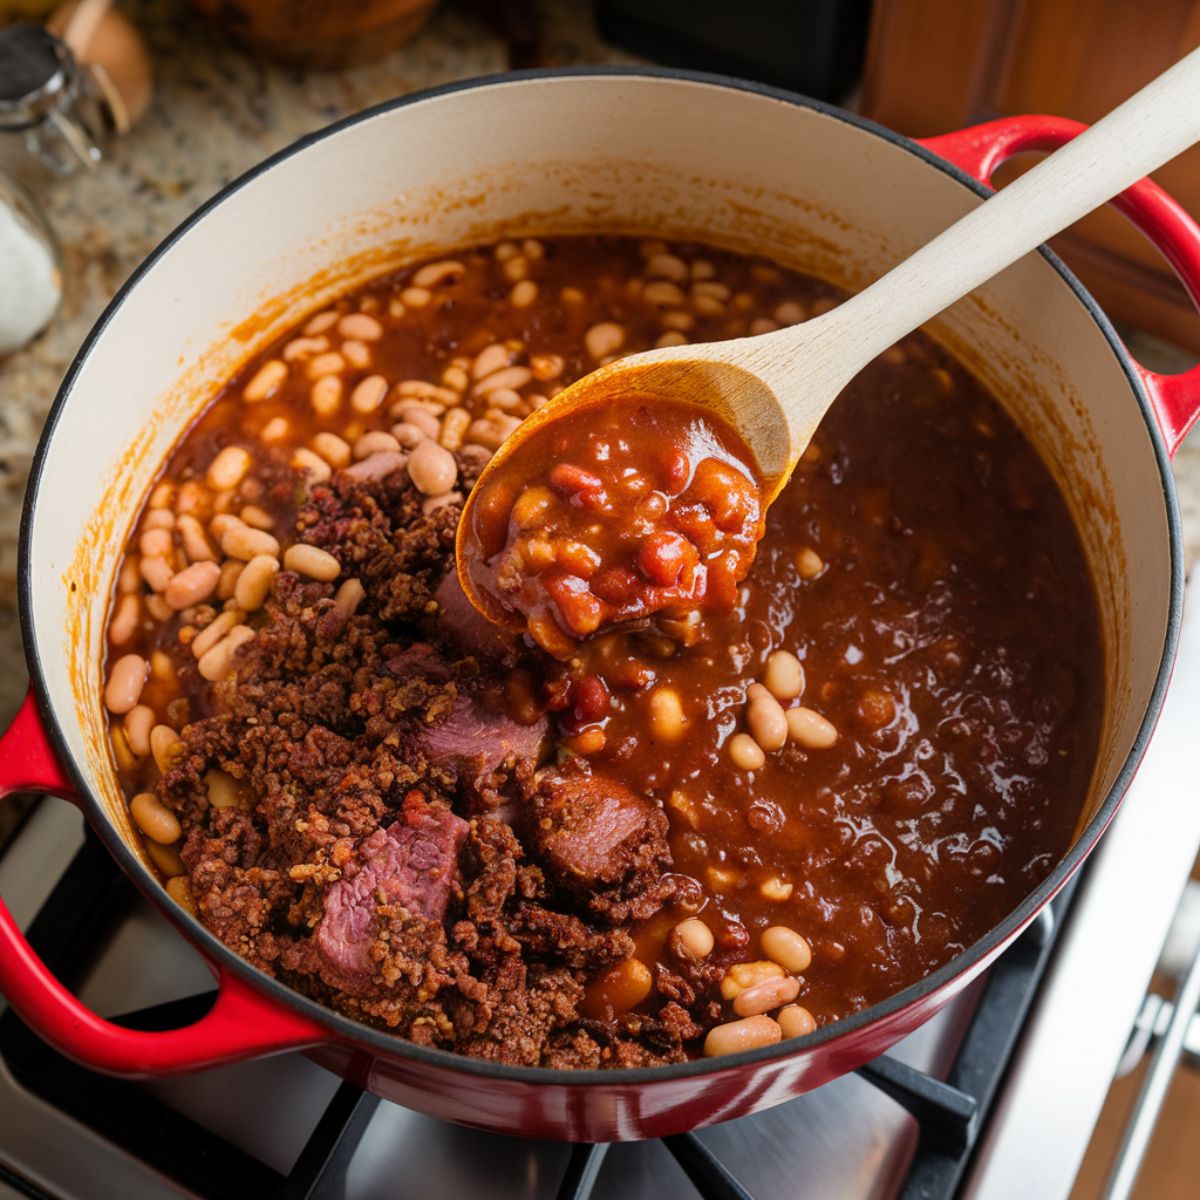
980, 150
241, 1024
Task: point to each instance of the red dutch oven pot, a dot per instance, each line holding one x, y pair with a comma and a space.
639, 151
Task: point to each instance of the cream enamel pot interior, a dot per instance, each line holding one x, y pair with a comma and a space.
643, 152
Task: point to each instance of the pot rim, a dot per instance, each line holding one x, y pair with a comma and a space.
344, 1029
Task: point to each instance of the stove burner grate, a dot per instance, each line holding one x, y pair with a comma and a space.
94, 895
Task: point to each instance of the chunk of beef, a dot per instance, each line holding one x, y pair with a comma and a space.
480, 742
604, 843
465, 627
420, 659
409, 865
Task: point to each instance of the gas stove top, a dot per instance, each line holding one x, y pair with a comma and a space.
994, 1098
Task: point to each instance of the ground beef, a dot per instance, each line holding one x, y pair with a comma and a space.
400, 853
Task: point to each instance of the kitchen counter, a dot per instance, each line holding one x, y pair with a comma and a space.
217, 111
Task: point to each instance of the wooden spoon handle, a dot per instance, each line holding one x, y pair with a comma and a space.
1149, 129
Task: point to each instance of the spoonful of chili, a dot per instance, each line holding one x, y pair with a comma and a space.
642, 487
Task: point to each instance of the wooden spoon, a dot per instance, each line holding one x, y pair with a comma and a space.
775, 388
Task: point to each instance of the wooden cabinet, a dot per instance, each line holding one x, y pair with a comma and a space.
936, 65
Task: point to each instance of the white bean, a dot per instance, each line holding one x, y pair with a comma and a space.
435, 274
195, 542
165, 746
304, 459
492, 358
228, 468
333, 449
325, 397
786, 947
254, 583
155, 819
784, 676
192, 585
747, 1034
360, 327
768, 724
432, 469
369, 394
126, 678
810, 729
603, 339
746, 753
266, 381
139, 720
374, 442
218, 662
312, 561
212, 633
125, 619
513, 378
772, 993
348, 597
240, 541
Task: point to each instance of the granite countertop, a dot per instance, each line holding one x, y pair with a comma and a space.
217, 111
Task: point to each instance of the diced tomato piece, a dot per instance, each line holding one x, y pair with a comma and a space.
666, 556
579, 611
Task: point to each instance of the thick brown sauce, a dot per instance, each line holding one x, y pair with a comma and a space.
922, 566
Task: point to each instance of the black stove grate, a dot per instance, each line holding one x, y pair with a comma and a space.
94, 895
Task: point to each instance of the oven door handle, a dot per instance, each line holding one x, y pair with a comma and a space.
980, 150
242, 1023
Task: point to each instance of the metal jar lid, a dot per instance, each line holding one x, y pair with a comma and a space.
45, 96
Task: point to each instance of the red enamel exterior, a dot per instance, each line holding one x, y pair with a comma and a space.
255, 1015
241, 1024
980, 151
